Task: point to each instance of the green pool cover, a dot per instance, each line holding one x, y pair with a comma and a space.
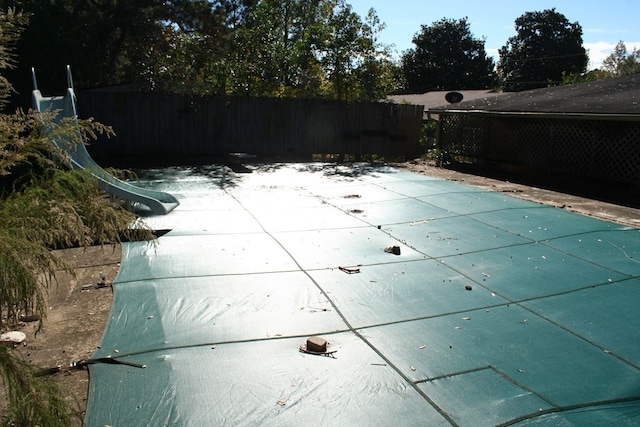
496, 311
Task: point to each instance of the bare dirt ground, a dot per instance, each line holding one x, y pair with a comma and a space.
78, 311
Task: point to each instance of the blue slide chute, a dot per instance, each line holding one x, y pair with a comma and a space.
158, 202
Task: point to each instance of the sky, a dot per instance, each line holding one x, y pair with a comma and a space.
604, 22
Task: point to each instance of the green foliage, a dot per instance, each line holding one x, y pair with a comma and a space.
546, 46
24, 266
33, 400
440, 157
302, 48
45, 207
12, 24
428, 132
299, 48
106, 42
621, 62
447, 57
591, 76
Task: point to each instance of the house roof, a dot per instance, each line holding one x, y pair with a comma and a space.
437, 98
620, 96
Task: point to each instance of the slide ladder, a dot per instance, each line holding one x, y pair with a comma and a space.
158, 202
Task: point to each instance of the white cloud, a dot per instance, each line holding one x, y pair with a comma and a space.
600, 50
606, 31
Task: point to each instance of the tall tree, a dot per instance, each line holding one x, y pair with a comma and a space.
377, 73
251, 47
344, 49
103, 40
447, 56
235, 12
114, 41
546, 46
262, 51
309, 48
621, 62
357, 66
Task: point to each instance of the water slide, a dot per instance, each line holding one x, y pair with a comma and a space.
158, 202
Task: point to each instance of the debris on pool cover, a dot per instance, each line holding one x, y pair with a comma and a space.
317, 345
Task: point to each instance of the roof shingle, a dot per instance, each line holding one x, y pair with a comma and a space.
608, 96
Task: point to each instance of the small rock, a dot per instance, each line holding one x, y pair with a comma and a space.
393, 250
30, 318
15, 337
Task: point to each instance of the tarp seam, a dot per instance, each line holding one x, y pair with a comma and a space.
583, 338
441, 411
543, 412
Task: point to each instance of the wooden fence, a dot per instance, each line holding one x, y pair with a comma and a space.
169, 127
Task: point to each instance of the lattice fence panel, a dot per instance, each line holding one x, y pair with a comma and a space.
573, 146
532, 140
465, 135
606, 149
620, 157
